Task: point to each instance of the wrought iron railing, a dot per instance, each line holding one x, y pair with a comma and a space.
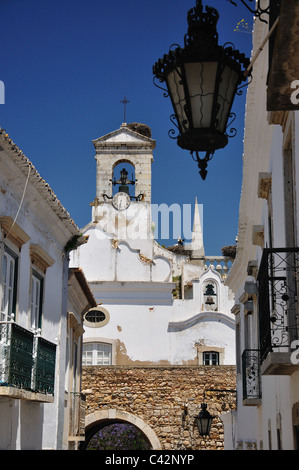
44, 366
26, 361
278, 309
251, 374
16, 355
77, 415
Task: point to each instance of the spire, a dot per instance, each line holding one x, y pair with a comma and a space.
197, 246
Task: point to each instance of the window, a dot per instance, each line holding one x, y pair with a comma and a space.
36, 300
9, 279
97, 354
211, 358
96, 317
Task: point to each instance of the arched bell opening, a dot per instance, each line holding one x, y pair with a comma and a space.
210, 296
123, 178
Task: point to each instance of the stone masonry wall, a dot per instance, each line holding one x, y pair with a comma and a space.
159, 395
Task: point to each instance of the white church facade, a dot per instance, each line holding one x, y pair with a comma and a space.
155, 305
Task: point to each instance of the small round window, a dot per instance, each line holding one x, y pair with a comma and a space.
96, 317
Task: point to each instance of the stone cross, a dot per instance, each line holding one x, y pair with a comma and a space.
125, 102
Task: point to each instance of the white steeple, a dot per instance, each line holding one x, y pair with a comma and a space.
197, 246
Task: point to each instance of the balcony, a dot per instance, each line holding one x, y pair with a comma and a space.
27, 364
251, 374
278, 309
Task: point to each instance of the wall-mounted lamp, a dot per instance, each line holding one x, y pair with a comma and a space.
204, 418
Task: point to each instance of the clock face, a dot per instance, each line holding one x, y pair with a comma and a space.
121, 201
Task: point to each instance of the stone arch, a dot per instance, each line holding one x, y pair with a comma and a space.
121, 159
113, 415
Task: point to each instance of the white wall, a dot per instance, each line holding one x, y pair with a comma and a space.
32, 424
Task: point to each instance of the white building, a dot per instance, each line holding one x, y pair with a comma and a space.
80, 300
264, 274
155, 305
41, 316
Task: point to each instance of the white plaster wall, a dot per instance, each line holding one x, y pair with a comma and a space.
144, 332
263, 152
28, 424
153, 327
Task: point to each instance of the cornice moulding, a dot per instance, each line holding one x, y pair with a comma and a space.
13, 231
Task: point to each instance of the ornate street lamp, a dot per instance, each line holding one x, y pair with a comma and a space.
204, 418
204, 421
202, 79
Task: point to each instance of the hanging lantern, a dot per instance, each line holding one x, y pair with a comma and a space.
202, 79
204, 421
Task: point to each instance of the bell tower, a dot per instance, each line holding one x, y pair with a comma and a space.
130, 144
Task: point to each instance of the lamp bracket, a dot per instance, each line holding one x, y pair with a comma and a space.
259, 12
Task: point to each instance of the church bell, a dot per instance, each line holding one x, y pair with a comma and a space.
124, 188
210, 301
209, 293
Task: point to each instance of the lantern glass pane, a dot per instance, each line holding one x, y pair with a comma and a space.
177, 93
204, 426
201, 78
227, 87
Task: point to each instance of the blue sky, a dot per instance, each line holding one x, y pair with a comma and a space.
67, 64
